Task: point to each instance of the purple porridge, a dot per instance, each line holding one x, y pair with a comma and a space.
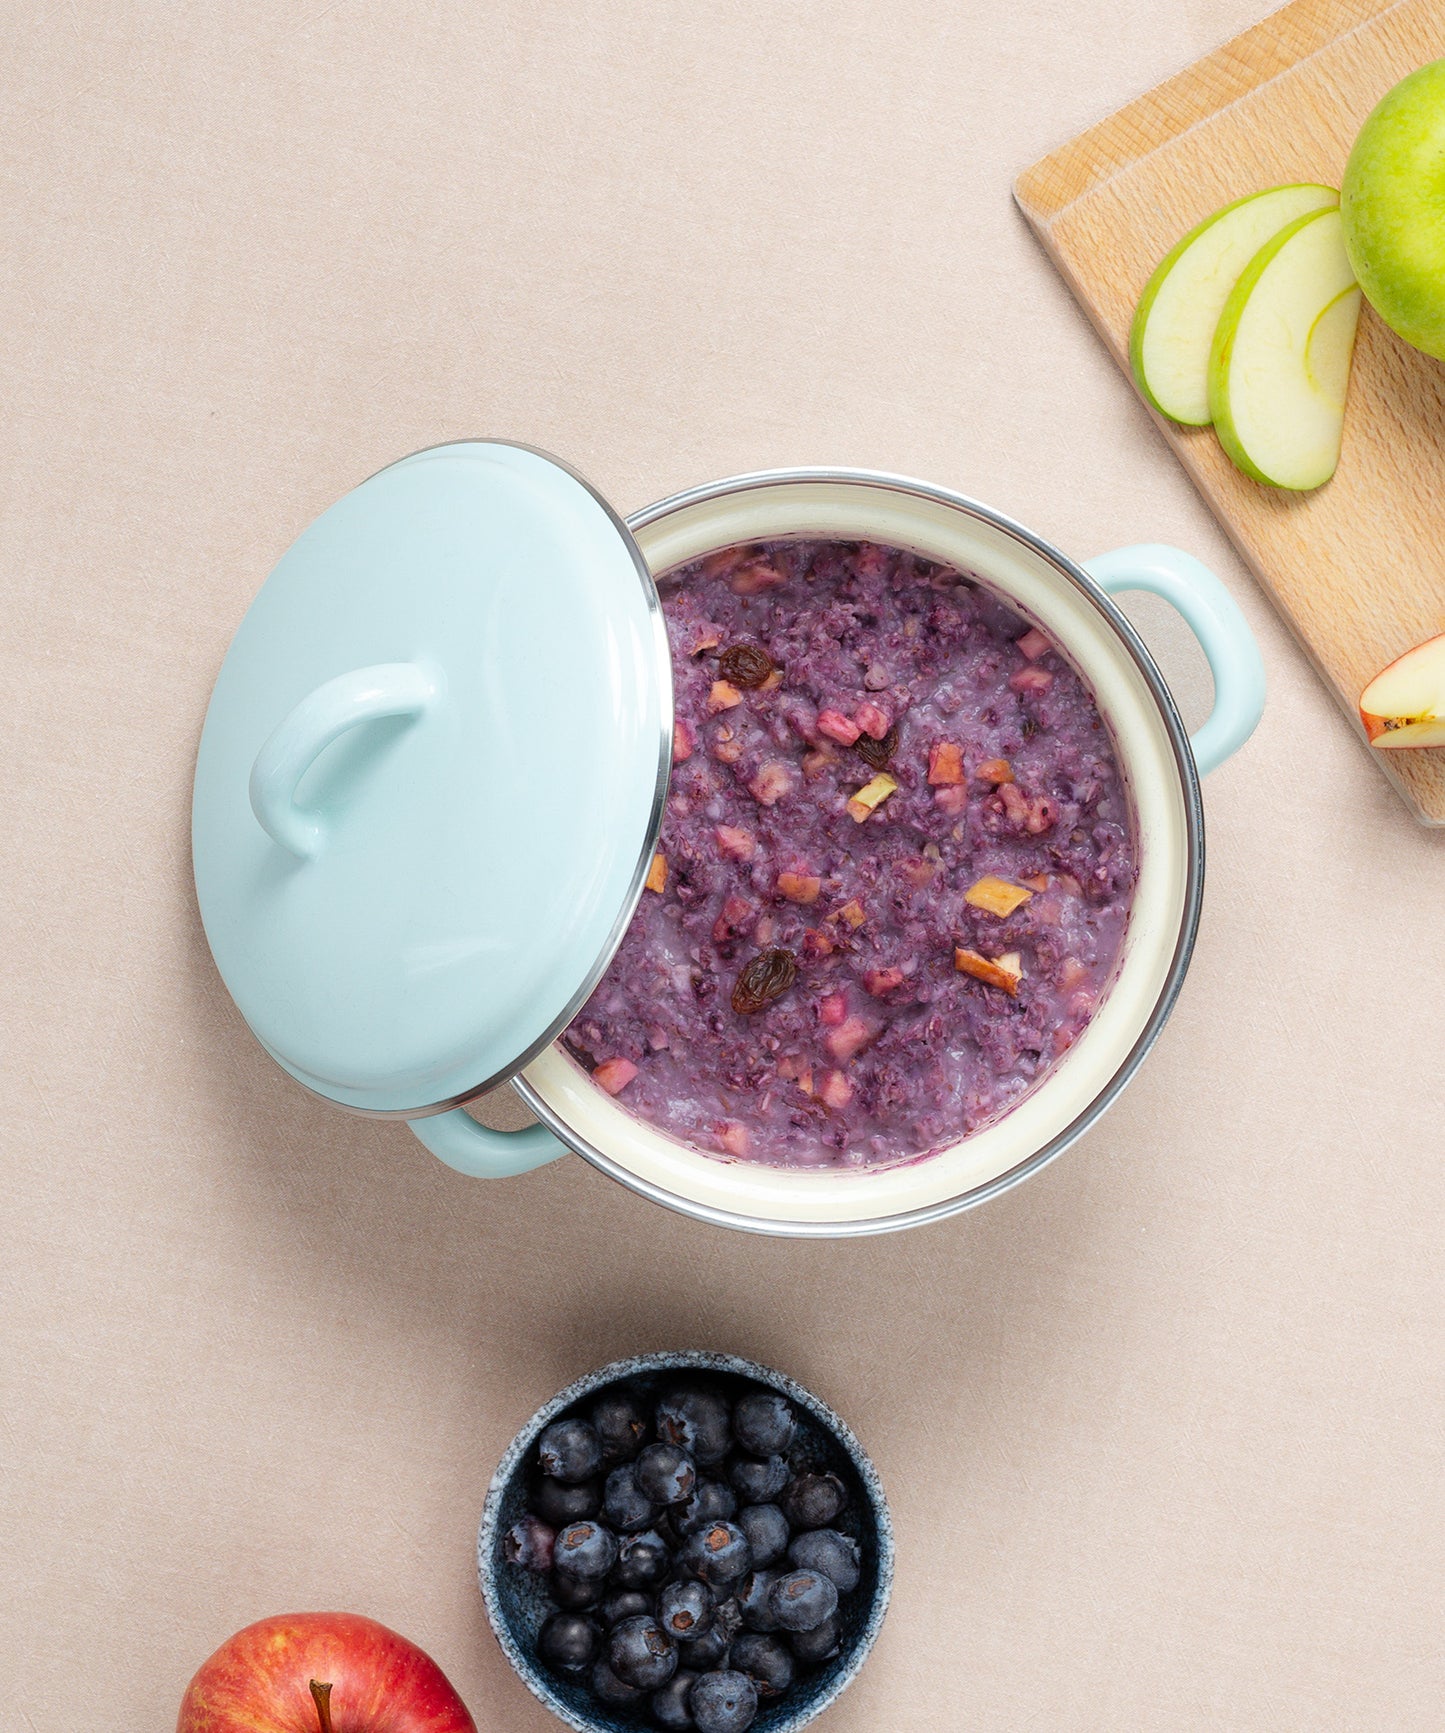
894, 871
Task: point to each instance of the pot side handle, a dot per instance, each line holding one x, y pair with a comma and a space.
482, 1153
1213, 615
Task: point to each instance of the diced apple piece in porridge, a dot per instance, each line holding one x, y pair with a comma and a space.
871, 796
657, 873
1033, 644
995, 770
614, 1075
757, 575
1031, 679
945, 763
850, 1038
799, 887
833, 1010
682, 742
872, 719
951, 799
1005, 972
838, 727
834, 1089
794, 1068
996, 895
735, 843
852, 912
881, 981
725, 561
734, 1138
723, 696
734, 917
773, 781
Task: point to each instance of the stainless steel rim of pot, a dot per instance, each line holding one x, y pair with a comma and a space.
1188, 926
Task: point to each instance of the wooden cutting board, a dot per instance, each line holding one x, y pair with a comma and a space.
1358, 567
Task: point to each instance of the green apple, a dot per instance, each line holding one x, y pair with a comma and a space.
1281, 356
1393, 203
1180, 307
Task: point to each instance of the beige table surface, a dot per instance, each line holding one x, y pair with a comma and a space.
1162, 1428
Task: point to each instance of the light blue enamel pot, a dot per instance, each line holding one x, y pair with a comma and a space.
433, 771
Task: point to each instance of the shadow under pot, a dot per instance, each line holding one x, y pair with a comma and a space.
924, 754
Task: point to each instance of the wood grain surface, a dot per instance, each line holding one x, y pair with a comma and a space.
1358, 567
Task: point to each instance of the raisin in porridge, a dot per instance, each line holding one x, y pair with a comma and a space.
894, 871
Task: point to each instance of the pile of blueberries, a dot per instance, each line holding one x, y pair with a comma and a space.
696, 1571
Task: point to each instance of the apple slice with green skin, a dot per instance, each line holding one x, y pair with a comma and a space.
1404, 705
1175, 320
1281, 356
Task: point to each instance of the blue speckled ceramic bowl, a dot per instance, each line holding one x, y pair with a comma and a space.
516, 1599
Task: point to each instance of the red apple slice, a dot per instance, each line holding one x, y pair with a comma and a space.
1404, 705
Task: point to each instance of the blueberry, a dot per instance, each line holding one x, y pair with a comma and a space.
800, 1600
767, 1530
753, 1605
825, 1550
727, 1614
570, 1451
574, 1592
698, 1422
625, 1506
568, 1642
666, 1526
819, 1644
528, 1542
723, 1702
623, 1604
766, 1660
558, 1504
757, 1481
640, 1654
621, 1423
684, 1609
607, 1688
585, 1549
717, 1553
643, 1561
764, 1423
669, 1705
712, 1648
813, 1500
711, 1501
666, 1473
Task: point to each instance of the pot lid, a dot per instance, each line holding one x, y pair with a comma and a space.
432, 775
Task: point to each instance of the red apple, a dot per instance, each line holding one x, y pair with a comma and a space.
321, 1673
1404, 705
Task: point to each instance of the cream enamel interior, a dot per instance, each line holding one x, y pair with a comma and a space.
851, 510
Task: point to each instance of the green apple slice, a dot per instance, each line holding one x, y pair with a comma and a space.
1281, 357
1180, 307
